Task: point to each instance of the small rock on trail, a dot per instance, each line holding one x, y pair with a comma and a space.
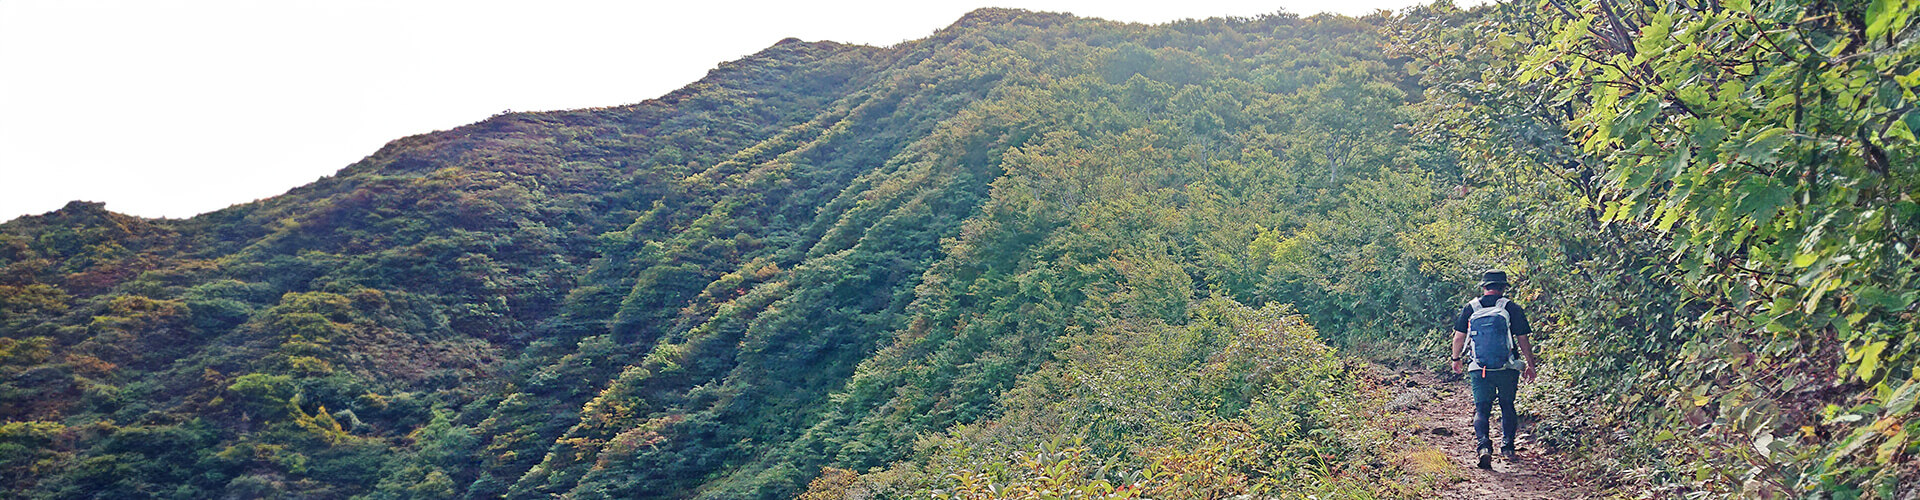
1408, 400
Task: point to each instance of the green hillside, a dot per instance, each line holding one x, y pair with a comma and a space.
1033, 253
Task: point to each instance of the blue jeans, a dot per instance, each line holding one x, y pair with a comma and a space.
1494, 385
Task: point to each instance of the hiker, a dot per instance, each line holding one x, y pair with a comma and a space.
1495, 329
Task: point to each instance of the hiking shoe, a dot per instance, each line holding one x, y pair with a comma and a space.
1486, 459
1509, 454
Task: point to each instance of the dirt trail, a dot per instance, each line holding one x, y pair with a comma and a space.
1439, 413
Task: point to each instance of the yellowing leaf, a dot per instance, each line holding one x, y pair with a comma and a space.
1901, 130
1881, 15
1870, 359
1892, 447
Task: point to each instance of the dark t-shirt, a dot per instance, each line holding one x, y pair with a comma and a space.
1518, 316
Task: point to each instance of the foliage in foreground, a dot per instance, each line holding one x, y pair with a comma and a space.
1726, 193
1230, 401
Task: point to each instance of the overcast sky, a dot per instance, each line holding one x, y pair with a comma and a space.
170, 109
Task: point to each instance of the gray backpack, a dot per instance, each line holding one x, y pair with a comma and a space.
1490, 338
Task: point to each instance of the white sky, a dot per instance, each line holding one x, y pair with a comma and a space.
165, 108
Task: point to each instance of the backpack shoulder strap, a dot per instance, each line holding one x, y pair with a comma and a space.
1513, 344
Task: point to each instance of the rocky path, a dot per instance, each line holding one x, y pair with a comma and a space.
1439, 412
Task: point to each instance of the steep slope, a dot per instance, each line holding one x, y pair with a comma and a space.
1078, 163
390, 288
1028, 227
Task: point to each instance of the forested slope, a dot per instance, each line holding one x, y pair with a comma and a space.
810, 258
1031, 251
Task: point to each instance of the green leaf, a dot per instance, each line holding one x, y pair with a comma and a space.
1613, 210
1888, 94
1677, 162
1903, 399
1819, 289
1890, 449
1673, 213
1634, 122
1708, 133
1693, 95
1870, 359
1653, 36
1759, 200
1902, 130
1910, 80
1880, 16
1732, 92
1854, 319
1763, 146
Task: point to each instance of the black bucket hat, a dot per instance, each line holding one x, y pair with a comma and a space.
1492, 277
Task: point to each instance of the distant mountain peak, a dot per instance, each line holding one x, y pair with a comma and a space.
77, 207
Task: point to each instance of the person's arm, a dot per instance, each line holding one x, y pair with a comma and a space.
1460, 337
1459, 344
1526, 349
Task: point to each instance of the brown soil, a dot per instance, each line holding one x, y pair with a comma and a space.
1438, 410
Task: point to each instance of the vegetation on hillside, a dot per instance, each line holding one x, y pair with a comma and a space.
1032, 254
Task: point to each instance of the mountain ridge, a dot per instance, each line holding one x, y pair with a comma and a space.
1030, 252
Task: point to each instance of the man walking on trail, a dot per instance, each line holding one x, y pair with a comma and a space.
1490, 336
